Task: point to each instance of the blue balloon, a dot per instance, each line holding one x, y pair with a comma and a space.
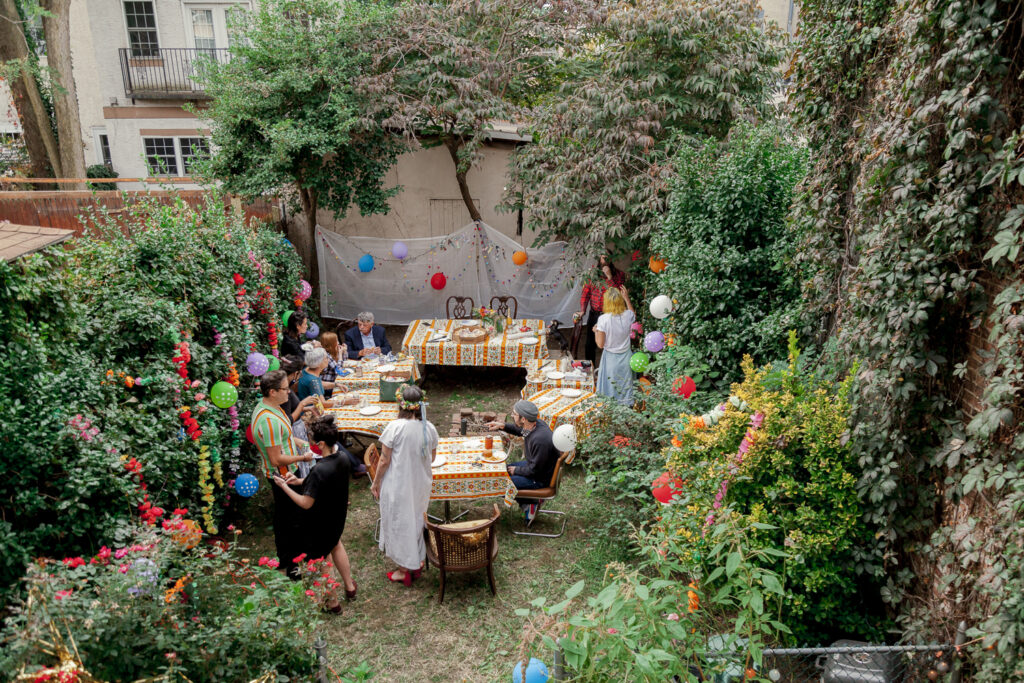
313, 331
536, 672
246, 485
285, 240
365, 263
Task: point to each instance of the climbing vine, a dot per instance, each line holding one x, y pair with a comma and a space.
913, 212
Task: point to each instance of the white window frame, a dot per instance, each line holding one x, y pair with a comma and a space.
98, 145
179, 159
220, 21
156, 27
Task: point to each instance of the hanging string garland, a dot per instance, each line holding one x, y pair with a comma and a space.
756, 420
243, 306
207, 488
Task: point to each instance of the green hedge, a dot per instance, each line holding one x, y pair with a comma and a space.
73, 320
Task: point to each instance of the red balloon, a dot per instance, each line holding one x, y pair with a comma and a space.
438, 281
248, 434
684, 387
666, 487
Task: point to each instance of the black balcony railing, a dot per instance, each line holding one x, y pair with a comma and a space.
167, 73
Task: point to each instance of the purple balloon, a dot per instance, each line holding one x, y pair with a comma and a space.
399, 250
257, 364
654, 341
305, 290
313, 331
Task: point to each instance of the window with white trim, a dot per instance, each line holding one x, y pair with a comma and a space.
140, 18
175, 156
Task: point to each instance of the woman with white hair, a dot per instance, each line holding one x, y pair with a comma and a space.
366, 339
309, 384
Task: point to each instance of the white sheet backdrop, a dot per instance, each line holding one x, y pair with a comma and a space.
477, 262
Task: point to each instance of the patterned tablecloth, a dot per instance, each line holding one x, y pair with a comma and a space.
556, 409
370, 379
465, 477
498, 350
537, 379
349, 419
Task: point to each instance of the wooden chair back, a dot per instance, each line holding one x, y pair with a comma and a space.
371, 456
460, 310
508, 306
463, 548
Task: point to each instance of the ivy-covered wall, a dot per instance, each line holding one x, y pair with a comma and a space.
913, 212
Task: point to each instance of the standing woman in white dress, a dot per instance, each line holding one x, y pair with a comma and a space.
403, 484
615, 377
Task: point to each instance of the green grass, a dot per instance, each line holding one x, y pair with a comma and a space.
403, 634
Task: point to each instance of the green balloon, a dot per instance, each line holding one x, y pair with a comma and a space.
639, 361
275, 363
284, 320
223, 395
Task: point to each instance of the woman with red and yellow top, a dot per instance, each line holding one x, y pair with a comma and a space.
606, 276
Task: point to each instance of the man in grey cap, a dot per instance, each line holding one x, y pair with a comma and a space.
539, 452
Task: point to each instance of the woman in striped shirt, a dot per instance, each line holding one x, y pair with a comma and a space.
606, 276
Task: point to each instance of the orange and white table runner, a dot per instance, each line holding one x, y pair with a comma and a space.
556, 409
495, 351
537, 379
349, 419
370, 379
465, 477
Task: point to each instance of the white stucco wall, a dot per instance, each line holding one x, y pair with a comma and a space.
8, 114
429, 174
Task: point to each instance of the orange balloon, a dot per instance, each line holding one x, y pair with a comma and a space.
656, 264
519, 258
188, 535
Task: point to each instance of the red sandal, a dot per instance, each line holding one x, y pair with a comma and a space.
351, 594
405, 580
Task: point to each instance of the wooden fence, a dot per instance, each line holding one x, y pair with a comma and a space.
68, 209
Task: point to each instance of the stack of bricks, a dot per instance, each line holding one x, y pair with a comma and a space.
474, 421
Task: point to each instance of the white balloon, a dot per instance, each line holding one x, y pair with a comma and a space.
661, 306
564, 438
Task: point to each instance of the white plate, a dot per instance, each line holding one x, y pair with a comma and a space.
528, 340
370, 410
350, 363
474, 445
572, 393
466, 323
496, 456
555, 374
385, 368
440, 460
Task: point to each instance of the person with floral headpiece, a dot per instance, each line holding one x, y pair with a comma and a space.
403, 484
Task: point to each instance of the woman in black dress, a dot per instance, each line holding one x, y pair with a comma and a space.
294, 333
324, 498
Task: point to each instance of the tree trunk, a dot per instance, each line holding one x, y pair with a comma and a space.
40, 143
65, 98
305, 240
454, 144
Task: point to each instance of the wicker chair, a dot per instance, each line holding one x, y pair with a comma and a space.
459, 311
463, 547
371, 456
541, 496
508, 306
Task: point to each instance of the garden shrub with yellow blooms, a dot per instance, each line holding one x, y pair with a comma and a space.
777, 462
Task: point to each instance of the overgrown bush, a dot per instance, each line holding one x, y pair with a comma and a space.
90, 337
726, 245
162, 606
101, 171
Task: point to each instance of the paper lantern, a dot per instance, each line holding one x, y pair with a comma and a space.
639, 361
248, 435
275, 363
246, 485
661, 306
536, 672
399, 250
656, 264
223, 395
666, 487
564, 438
684, 386
519, 258
313, 331
438, 281
305, 290
257, 364
654, 341
365, 263
285, 317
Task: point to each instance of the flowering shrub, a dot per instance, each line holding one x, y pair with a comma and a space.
109, 354
161, 606
777, 462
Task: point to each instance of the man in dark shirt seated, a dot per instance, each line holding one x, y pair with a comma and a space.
539, 452
366, 339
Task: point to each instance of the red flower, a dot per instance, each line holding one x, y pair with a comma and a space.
239, 280
62, 594
636, 255
298, 559
72, 562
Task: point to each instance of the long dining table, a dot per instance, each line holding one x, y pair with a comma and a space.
435, 342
